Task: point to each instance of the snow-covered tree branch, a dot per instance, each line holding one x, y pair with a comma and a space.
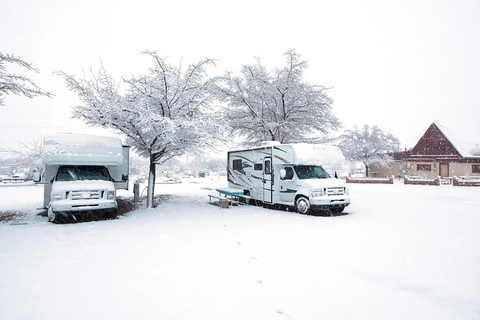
277, 105
369, 144
29, 155
17, 83
163, 113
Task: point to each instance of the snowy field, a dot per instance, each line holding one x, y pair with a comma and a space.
401, 252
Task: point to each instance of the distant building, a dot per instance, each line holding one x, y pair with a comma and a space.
435, 154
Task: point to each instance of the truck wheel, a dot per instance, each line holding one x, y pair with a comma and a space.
52, 216
302, 205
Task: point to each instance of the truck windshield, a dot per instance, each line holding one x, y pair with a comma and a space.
311, 172
73, 173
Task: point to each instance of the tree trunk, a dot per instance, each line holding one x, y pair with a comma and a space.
367, 171
151, 182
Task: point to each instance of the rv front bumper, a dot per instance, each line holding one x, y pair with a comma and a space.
323, 202
87, 206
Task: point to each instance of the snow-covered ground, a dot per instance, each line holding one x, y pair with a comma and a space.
401, 252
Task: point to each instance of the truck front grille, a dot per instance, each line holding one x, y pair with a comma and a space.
335, 191
85, 194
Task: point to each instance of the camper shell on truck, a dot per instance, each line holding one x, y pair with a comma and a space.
294, 175
82, 173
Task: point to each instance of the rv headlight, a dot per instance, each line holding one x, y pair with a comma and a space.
57, 196
317, 193
347, 191
111, 195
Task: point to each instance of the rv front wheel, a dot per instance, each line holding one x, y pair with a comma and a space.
302, 205
52, 216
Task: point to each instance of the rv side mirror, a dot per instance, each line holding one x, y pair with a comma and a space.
283, 173
36, 176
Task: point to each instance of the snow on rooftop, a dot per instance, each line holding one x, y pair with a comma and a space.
457, 144
79, 149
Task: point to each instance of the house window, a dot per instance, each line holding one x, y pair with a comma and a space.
424, 167
475, 168
237, 165
258, 167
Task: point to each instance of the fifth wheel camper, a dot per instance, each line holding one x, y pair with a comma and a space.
294, 175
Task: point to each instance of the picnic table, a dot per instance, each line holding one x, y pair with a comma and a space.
228, 196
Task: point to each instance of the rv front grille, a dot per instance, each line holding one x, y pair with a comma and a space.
335, 191
85, 194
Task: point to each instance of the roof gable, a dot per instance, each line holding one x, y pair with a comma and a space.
434, 143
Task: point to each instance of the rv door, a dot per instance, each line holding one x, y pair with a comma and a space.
267, 180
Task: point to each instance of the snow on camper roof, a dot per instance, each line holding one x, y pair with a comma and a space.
318, 154
81, 149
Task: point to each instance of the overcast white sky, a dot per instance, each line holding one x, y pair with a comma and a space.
399, 65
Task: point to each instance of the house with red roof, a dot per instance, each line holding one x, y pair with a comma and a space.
437, 153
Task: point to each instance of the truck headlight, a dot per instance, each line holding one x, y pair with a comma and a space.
57, 196
317, 193
111, 195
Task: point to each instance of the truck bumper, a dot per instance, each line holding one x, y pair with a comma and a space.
329, 202
68, 207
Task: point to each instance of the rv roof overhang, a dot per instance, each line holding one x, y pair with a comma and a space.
317, 154
79, 149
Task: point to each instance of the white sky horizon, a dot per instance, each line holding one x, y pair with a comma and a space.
400, 66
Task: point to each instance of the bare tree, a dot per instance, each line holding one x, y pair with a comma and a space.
475, 151
369, 144
277, 105
162, 113
30, 153
15, 83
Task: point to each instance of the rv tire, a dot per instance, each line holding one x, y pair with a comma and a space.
52, 216
302, 204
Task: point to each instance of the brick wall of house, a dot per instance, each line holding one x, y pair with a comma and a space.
410, 169
462, 169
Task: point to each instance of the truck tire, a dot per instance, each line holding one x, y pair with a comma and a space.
52, 216
302, 204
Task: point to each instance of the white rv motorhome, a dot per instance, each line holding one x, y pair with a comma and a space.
82, 173
290, 174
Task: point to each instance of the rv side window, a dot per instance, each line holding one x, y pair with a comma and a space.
268, 167
237, 165
288, 173
258, 167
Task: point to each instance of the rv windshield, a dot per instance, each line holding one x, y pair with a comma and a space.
311, 172
73, 173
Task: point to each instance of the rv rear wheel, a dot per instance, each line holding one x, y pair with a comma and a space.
302, 205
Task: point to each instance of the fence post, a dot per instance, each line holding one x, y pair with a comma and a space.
136, 192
